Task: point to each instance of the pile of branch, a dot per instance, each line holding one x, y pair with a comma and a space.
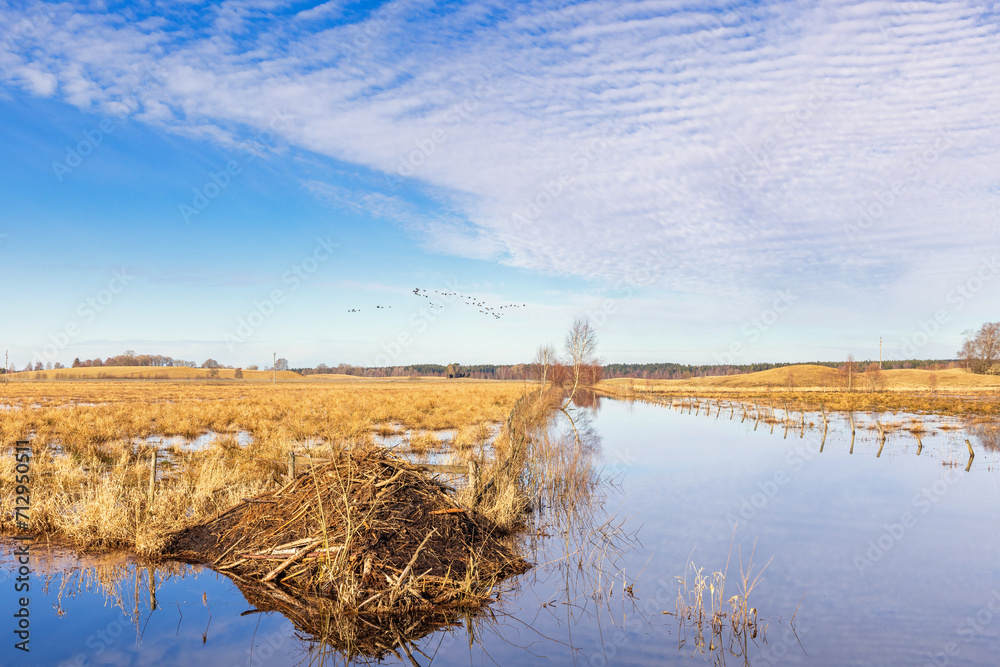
369, 531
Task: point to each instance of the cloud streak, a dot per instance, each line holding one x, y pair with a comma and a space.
724, 148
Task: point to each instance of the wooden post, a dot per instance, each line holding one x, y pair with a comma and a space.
291, 465
920, 445
152, 479
852, 422
151, 576
474, 481
972, 454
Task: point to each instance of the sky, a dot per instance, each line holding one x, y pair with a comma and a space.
707, 182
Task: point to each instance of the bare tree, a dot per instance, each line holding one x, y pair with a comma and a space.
544, 358
581, 344
981, 349
847, 371
874, 378
281, 364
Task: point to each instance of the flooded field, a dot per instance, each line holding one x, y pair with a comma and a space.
868, 553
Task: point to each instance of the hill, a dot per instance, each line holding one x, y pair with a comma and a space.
813, 377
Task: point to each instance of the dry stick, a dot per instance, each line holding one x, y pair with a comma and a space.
226, 552
920, 444
409, 566
152, 480
852, 443
882, 436
291, 559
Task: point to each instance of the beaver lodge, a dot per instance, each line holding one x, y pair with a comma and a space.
368, 533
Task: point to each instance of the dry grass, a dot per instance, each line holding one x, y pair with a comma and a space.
729, 625
153, 373
952, 391
92, 449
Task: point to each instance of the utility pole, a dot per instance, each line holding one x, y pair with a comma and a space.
880, 353
6, 365
274, 363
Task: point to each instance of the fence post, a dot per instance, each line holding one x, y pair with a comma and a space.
291, 465
474, 481
152, 479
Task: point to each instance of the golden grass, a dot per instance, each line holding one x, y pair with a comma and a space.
150, 373
92, 444
811, 377
951, 391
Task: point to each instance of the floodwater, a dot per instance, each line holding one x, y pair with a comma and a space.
864, 556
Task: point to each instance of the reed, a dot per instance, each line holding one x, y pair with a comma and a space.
92, 443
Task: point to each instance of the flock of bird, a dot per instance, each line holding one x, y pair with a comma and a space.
484, 308
358, 310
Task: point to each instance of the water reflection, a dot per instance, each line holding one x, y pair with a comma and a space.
608, 540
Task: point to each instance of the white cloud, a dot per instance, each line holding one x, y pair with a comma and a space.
727, 150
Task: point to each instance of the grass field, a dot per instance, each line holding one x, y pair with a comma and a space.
151, 373
93, 440
950, 391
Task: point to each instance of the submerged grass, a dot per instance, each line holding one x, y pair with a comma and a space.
726, 625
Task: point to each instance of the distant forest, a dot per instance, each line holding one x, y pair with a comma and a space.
655, 371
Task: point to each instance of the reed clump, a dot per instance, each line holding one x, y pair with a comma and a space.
722, 625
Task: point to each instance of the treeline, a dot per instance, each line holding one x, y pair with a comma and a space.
476, 371
130, 358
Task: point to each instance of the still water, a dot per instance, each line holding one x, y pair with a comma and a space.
863, 558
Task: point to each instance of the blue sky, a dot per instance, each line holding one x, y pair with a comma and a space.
774, 181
